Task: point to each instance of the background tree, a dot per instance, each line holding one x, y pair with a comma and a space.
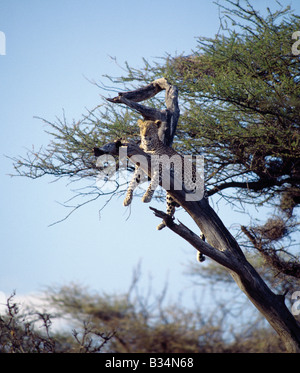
239, 98
29, 331
133, 322
142, 321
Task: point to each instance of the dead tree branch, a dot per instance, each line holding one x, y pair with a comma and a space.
169, 116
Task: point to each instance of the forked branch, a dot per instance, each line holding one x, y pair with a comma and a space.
168, 116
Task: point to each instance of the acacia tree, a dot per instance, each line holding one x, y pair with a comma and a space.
239, 100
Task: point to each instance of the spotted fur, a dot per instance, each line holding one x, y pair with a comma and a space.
151, 144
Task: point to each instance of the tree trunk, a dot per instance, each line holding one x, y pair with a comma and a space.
220, 245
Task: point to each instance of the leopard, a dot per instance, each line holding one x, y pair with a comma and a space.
151, 144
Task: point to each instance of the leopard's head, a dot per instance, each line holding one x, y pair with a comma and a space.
149, 133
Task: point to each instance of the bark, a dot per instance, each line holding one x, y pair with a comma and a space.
220, 245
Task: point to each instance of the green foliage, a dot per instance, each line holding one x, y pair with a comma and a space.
70, 151
241, 98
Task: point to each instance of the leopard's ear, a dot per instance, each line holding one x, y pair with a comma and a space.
158, 123
140, 122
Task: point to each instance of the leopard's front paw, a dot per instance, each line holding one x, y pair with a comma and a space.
127, 201
147, 198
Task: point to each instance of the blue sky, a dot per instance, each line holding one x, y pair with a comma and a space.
51, 48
